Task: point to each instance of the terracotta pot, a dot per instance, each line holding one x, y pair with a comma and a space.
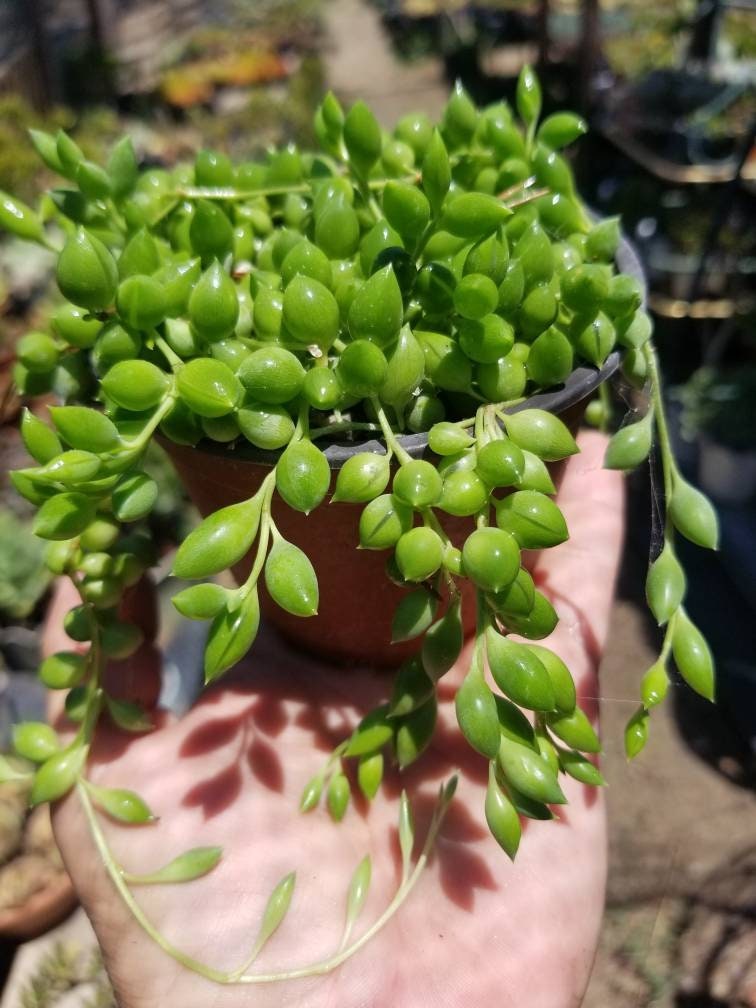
357, 600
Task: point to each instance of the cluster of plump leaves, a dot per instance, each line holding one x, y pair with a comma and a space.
501, 477
389, 282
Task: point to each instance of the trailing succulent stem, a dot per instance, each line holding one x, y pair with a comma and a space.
428, 280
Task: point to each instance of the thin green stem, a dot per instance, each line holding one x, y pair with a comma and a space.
326, 965
267, 526
124, 892
392, 441
170, 355
669, 467
432, 522
668, 635
140, 441
118, 878
234, 194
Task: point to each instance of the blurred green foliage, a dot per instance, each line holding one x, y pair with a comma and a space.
23, 575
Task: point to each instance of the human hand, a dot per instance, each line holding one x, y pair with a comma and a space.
476, 930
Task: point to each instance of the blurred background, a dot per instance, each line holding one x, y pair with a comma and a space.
669, 93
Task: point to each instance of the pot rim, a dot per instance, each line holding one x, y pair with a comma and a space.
578, 386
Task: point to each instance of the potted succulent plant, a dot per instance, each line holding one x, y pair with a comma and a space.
386, 344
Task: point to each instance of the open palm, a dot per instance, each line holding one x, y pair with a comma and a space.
476, 930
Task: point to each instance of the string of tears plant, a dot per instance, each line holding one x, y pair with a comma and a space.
427, 280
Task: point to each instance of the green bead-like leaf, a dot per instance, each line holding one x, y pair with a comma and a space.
491, 558
372, 733
460, 116
134, 497
362, 478
575, 765
518, 598
502, 818
542, 433
665, 585
473, 215
45, 146
84, 428
436, 172
213, 304
35, 741
141, 302
63, 670
602, 240
562, 683
218, 542
443, 642
40, 441
291, 580
383, 521
362, 137
120, 640
86, 272
208, 387
448, 439
202, 601
359, 886
414, 733
338, 796
693, 516
58, 775
692, 656
231, 636
636, 733
64, 516
311, 793
561, 129
654, 685
406, 209
210, 231
535, 475
500, 463
529, 773
122, 168
528, 96
125, 806
275, 910
406, 832
190, 865
631, 445
519, 673
303, 476
376, 311
135, 384
477, 714
370, 774
19, 219
532, 518
575, 729
419, 554
413, 615
73, 467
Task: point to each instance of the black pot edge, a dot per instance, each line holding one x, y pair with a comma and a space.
581, 383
